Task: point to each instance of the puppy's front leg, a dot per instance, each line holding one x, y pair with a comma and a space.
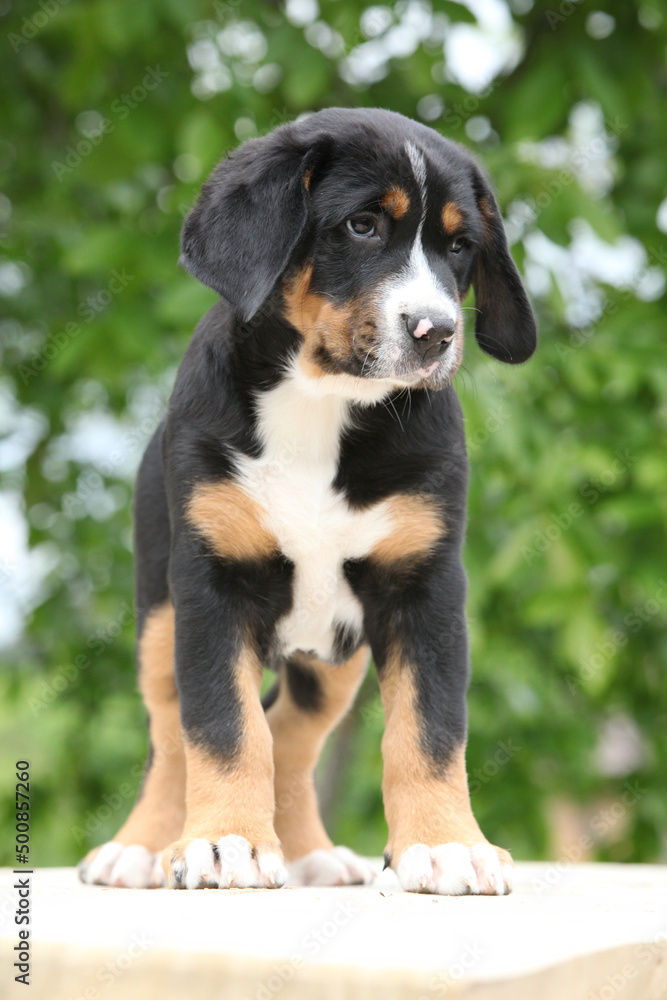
435, 844
228, 838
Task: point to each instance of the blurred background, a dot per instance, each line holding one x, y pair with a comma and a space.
113, 114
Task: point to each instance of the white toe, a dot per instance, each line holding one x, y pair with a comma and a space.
415, 869
319, 867
360, 871
98, 872
200, 867
486, 863
337, 866
134, 868
272, 871
129, 866
238, 870
454, 874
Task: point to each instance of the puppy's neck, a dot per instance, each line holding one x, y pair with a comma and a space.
308, 380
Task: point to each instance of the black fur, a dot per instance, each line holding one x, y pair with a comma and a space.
346, 643
304, 686
505, 326
243, 211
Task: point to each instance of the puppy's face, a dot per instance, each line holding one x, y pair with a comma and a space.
387, 262
365, 230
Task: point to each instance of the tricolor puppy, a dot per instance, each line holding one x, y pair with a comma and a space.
304, 504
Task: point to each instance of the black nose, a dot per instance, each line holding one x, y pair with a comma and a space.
431, 335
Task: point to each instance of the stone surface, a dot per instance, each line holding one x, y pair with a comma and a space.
568, 932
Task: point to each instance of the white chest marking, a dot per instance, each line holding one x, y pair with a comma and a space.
315, 526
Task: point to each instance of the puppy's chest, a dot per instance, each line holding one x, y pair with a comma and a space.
314, 525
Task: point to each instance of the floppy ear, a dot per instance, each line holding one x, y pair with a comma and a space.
505, 325
240, 235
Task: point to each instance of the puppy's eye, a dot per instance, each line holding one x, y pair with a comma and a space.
458, 245
361, 225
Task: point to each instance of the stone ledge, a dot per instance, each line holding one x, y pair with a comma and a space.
568, 932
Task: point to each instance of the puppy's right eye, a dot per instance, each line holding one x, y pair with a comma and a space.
361, 225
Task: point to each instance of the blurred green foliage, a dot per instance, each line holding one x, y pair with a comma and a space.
108, 130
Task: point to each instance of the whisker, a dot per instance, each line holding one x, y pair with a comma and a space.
365, 360
391, 402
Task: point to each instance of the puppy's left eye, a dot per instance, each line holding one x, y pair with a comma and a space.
458, 245
361, 225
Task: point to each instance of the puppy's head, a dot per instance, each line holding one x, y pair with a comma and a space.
365, 230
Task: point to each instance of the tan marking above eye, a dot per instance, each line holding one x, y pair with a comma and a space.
396, 201
417, 526
452, 217
230, 521
307, 178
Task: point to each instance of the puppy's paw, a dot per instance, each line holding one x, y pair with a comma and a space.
456, 870
228, 863
338, 866
128, 867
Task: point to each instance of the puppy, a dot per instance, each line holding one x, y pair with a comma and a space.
303, 505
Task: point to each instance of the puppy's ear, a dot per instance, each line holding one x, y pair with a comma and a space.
505, 325
240, 235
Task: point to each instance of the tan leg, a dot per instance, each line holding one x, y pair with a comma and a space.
313, 697
435, 843
159, 814
228, 838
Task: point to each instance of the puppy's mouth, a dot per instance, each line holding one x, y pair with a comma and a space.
434, 373
426, 372
407, 369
